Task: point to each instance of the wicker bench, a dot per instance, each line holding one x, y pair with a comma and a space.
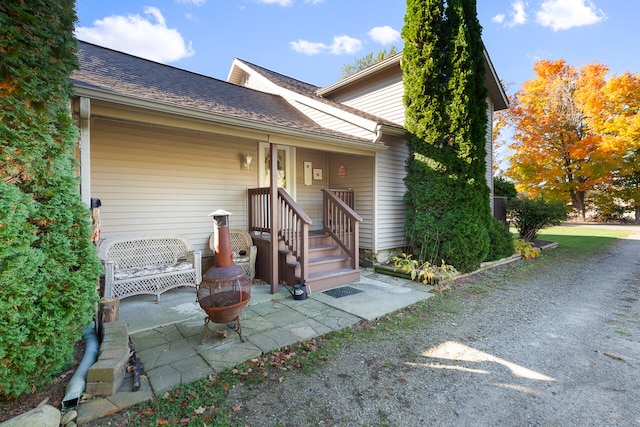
148, 264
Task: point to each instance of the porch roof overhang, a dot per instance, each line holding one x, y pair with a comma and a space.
129, 108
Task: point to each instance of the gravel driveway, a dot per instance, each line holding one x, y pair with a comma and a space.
551, 342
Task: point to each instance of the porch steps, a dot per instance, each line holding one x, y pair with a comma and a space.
328, 265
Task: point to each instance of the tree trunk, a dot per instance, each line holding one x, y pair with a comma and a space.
577, 199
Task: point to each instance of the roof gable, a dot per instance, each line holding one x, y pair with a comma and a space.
497, 93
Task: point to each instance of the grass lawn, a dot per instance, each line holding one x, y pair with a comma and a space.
585, 239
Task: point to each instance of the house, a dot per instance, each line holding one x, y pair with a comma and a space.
163, 147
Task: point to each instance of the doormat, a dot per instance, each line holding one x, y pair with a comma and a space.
341, 292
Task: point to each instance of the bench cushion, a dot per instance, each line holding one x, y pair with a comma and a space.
149, 270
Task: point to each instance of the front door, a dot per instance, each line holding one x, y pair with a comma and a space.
286, 167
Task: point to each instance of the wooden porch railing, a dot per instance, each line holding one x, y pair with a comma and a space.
342, 222
293, 224
346, 195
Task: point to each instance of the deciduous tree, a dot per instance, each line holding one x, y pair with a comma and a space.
617, 119
557, 151
577, 137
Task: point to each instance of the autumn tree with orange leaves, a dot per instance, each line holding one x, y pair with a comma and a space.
557, 153
618, 121
576, 137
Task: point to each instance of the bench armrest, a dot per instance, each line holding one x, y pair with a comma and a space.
195, 258
109, 273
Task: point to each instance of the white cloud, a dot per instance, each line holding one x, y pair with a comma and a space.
384, 35
147, 37
345, 45
341, 45
308, 48
518, 15
278, 2
194, 2
566, 14
498, 19
314, 1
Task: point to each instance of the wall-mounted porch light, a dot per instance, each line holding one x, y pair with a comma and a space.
246, 161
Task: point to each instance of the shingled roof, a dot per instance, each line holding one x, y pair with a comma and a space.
117, 73
312, 91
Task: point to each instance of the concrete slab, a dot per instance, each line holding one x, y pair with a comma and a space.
163, 378
273, 339
376, 299
142, 312
192, 368
229, 354
125, 397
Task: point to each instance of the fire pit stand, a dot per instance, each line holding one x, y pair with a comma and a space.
225, 289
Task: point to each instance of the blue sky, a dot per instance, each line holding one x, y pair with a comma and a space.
311, 40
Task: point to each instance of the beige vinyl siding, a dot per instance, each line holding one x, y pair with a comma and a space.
489, 151
155, 179
383, 99
258, 82
390, 211
360, 173
309, 197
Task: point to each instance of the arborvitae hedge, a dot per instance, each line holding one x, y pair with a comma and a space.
48, 266
447, 199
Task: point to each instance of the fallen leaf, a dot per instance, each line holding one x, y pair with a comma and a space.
199, 411
237, 407
613, 356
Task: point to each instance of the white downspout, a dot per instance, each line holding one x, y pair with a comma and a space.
85, 150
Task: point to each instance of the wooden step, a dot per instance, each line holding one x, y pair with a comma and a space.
331, 279
320, 264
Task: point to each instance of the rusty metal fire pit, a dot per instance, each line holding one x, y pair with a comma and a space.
225, 289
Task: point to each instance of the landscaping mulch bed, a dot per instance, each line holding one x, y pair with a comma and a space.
51, 394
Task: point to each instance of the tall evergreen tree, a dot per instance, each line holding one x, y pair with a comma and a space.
48, 266
447, 199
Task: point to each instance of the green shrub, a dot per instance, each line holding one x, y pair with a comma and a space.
532, 215
500, 241
504, 188
447, 196
48, 266
526, 249
425, 272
